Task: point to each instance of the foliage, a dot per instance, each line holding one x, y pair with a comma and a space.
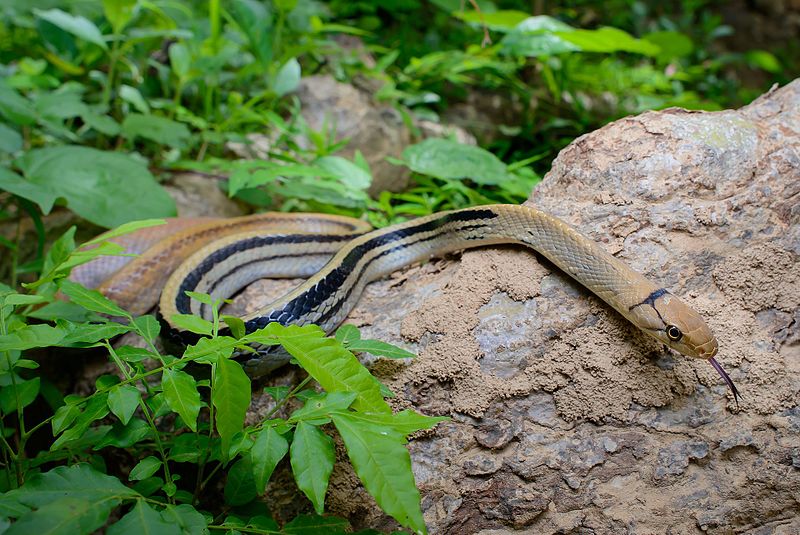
167, 419
101, 101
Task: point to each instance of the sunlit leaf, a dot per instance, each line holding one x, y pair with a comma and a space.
267, 451
231, 398
312, 457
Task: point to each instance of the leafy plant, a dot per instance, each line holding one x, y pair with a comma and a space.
167, 417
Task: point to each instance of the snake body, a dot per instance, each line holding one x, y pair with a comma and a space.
225, 265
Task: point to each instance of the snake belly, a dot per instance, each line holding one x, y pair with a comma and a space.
333, 289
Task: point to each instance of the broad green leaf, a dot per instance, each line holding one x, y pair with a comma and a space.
180, 60
63, 417
10, 140
382, 462
317, 409
60, 105
91, 299
379, 349
96, 408
288, 78
671, 44
145, 468
156, 128
404, 422
180, 389
192, 323
608, 40
231, 398
125, 228
240, 486
328, 362
348, 334
143, 520
236, 325
187, 518
190, 447
39, 194
210, 350
278, 393
102, 123
79, 481
135, 354
762, 59
81, 335
119, 13
125, 436
267, 451
31, 336
22, 299
22, 393
74, 24
346, 172
501, 20
15, 107
67, 515
132, 96
89, 180
148, 327
312, 456
123, 401
443, 158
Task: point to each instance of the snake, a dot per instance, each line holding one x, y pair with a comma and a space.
339, 256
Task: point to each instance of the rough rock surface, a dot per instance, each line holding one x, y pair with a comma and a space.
565, 419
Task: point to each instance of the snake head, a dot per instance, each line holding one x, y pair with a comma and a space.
673, 322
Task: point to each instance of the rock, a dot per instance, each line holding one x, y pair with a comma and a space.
198, 195
351, 114
598, 428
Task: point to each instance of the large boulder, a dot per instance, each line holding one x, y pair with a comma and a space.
567, 419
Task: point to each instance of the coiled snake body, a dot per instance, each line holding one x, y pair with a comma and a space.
226, 255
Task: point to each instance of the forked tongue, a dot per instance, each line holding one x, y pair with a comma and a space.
728, 380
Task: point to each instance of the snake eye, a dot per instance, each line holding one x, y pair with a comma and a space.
673, 333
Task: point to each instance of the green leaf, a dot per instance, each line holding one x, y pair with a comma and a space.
317, 409
231, 398
10, 140
236, 325
123, 401
63, 417
346, 172
67, 515
327, 361
764, 60
503, 20
102, 123
39, 194
671, 44
383, 464
210, 350
155, 128
313, 524
187, 517
447, 159
89, 180
143, 520
180, 60
125, 228
145, 468
192, 323
74, 24
403, 423
91, 299
240, 486
96, 408
31, 336
608, 40
288, 78
190, 447
180, 389
347, 334
148, 327
312, 456
79, 481
81, 335
22, 393
125, 436
119, 13
267, 451
379, 349
16, 108
132, 96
